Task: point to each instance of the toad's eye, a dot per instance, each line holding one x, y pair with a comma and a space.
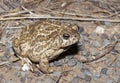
66, 36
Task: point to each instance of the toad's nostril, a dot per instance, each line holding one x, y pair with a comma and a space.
76, 35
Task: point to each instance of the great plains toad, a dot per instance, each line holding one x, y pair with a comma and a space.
43, 41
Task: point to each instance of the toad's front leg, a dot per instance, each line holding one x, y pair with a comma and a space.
44, 66
46, 57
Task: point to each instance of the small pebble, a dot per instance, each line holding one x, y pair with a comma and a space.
17, 74
69, 57
81, 75
37, 73
96, 44
23, 74
118, 64
48, 80
58, 63
104, 70
104, 77
110, 72
38, 81
94, 53
29, 79
96, 76
1, 77
11, 51
52, 64
88, 78
104, 36
86, 71
9, 44
17, 66
25, 67
118, 58
5, 57
118, 72
81, 29
87, 82
93, 35
22, 79
99, 30
85, 53
112, 64
72, 62
9, 66
57, 73
9, 81
2, 47
79, 65
75, 80
116, 78
107, 23
106, 42
113, 38
85, 37
109, 81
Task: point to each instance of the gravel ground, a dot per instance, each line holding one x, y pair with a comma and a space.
103, 70
95, 36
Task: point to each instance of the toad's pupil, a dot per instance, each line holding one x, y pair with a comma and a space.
66, 36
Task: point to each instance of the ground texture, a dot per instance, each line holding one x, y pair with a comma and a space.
98, 38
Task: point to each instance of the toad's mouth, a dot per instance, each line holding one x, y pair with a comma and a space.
65, 48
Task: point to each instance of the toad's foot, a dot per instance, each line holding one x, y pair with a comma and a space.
44, 66
47, 69
27, 62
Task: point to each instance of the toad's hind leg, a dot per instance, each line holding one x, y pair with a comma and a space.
29, 64
27, 61
44, 66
